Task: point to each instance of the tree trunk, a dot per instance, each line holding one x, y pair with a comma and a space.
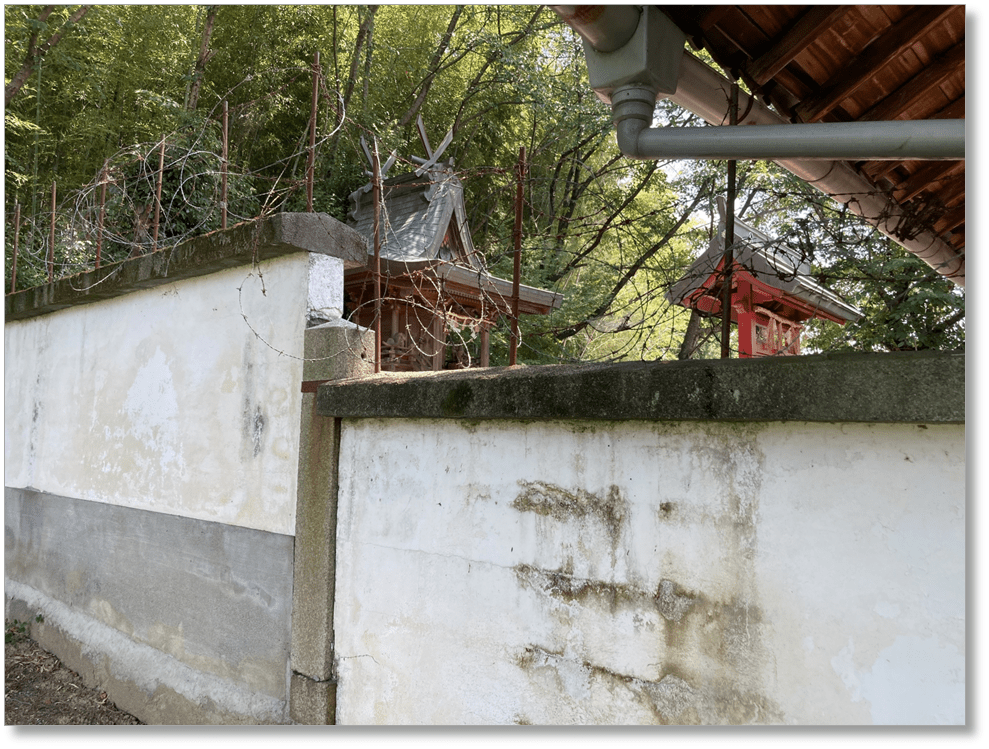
434, 65
691, 336
34, 54
369, 45
204, 55
355, 60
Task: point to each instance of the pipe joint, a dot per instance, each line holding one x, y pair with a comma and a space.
632, 110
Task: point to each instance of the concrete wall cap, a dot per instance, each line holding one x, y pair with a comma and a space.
243, 244
911, 387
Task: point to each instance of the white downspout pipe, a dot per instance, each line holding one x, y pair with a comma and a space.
819, 158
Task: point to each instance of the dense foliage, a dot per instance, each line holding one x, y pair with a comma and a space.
125, 88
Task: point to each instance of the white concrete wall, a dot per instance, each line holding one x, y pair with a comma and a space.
650, 573
173, 399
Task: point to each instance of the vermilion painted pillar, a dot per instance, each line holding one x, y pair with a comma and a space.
742, 301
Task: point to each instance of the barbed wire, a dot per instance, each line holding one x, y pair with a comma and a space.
116, 211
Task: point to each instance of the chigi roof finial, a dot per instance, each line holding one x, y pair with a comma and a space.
370, 160
431, 156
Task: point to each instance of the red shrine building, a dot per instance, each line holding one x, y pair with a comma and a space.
773, 293
438, 302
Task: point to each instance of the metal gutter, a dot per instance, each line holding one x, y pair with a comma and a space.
704, 92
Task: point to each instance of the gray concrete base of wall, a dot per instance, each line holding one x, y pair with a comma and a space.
107, 659
180, 621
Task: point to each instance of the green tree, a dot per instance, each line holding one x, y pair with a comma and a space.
610, 233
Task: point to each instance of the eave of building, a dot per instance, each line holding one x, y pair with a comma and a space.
427, 277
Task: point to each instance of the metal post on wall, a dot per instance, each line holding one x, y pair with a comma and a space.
376, 196
161, 177
102, 215
729, 257
17, 239
51, 240
520, 176
223, 166
311, 160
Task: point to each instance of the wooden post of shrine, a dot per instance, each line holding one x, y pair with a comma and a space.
485, 345
439, 342
746, 319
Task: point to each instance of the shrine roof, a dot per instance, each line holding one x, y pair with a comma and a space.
769, 261
424, 233
423, 217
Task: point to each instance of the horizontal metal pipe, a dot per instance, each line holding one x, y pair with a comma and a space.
705, 92
832, 141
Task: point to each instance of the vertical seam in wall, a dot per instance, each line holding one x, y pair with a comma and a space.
334, 496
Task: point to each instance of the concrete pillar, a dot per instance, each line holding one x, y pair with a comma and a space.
336, 350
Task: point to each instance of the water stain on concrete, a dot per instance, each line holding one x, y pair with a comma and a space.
709, 661
672, 602
608, 507
563, 585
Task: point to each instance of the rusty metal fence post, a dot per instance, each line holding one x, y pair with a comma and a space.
729, 257
311, 160
102, 215
376, 193
516, 275
161, 176
223, 168
17, 239
51, 239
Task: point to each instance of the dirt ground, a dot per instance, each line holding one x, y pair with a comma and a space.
40, 691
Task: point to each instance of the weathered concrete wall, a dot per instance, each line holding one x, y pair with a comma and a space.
710, 570
152, 441
769, 541
166, 399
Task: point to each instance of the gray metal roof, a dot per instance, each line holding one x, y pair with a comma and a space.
768, 260
418, 213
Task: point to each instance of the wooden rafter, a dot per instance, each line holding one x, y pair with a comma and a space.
925, 176
919, 87
952, 192
950, 220
804, 33
954, 111
854, 63
886, 48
